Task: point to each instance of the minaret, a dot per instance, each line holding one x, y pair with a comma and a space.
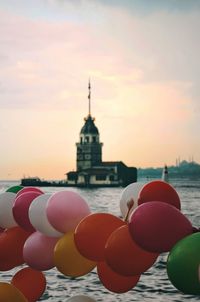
165, 176
89, 149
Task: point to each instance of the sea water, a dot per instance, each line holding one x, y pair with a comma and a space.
153, 285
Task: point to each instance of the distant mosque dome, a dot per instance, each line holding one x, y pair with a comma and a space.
89, 126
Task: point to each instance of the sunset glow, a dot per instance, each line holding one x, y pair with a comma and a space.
143, 63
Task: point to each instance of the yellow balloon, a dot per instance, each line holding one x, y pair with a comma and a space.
68, 260
9, 292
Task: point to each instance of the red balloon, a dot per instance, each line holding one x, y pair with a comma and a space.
157, 226
11, 247
28, 189
1, 230
113, 281
160, 191
124, 256
21, 208
30, 282
92, 233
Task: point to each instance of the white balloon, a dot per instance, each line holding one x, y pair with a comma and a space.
38, 216
81, 298
7, 200
130, 192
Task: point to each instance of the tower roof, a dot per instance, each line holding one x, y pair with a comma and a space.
89, 126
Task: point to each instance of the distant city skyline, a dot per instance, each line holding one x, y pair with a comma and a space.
142, 58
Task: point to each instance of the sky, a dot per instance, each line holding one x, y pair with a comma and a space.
142, 58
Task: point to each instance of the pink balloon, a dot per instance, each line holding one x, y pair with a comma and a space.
157, 226
38, 251
65, 209
21, 209
28, 189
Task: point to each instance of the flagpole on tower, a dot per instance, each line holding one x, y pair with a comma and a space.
89, 97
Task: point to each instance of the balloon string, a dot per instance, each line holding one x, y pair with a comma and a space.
130, 205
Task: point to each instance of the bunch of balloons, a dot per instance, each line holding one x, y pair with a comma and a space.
157, 225
61, 227
34, 225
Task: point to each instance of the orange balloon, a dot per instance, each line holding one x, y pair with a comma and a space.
158, 190
114, 282
92, 233
30, 282
9, 293
11, 247
68, 260
124, 256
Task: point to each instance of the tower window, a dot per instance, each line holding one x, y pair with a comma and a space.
87, 139
81, 140
94, 139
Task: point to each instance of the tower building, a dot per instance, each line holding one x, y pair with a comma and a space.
91, 171
89, 148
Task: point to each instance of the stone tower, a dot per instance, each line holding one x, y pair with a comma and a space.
89, 148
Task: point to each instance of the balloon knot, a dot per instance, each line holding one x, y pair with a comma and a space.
130, 204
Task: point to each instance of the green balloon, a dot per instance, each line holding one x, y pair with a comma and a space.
183, 265
14, 189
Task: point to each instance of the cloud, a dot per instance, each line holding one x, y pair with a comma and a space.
50, 57
146, 6
144, 74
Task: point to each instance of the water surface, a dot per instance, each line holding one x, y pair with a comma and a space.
153, 285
